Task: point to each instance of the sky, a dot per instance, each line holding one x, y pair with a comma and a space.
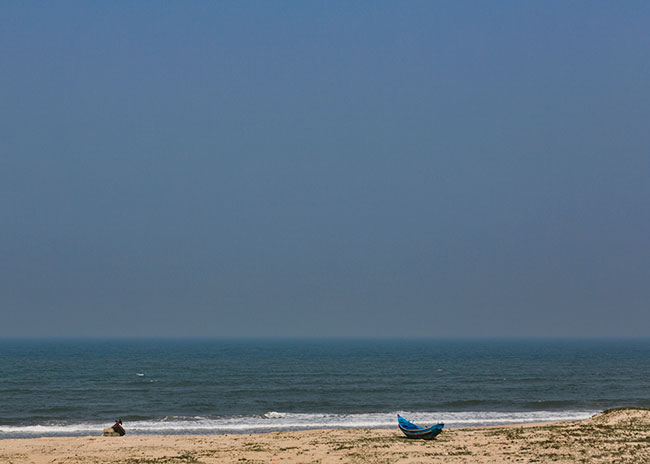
325, 169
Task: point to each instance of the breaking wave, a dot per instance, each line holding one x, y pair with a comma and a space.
279, 421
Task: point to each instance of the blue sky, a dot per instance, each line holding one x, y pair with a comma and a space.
325, 169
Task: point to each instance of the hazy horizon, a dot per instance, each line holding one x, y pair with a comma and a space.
327, 339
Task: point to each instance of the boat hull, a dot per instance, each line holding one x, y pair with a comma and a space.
424, 434
415, 431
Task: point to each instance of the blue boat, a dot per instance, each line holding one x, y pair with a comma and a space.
415, 431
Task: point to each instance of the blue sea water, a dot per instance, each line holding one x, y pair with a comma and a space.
78, 387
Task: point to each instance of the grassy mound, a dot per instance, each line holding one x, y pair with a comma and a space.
622, 416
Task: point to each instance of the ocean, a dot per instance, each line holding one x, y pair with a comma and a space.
78, 387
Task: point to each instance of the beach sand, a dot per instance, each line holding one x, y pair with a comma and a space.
616, 436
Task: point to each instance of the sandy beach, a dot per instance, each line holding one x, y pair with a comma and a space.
616, 436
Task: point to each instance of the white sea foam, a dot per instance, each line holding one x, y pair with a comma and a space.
274, 415
277, 421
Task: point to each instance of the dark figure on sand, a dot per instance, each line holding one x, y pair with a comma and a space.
118, 427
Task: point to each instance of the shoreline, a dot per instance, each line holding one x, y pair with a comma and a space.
620, 435
297, 430
293, 430
287, 422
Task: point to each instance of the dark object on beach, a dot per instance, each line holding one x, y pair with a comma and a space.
117, 427
115, 430
415, 431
